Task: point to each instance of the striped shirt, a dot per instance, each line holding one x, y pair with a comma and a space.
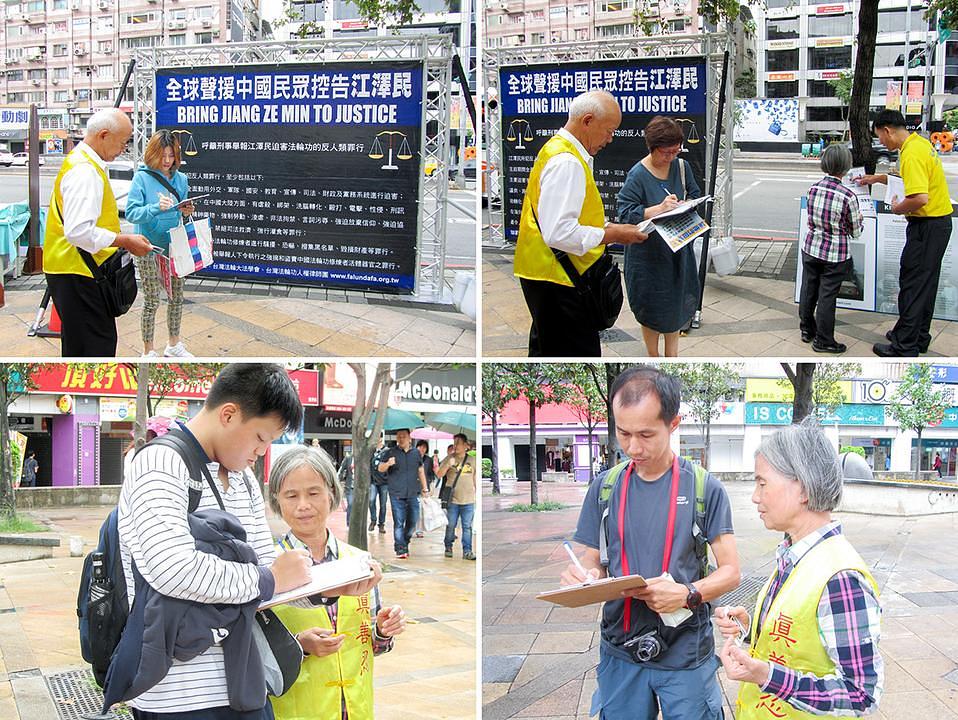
154, 531
834, 219
849, 623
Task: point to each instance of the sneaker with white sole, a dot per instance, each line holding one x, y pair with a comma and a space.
151, 354
177, 351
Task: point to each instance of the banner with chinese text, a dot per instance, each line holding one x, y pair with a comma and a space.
313, 169
535, 104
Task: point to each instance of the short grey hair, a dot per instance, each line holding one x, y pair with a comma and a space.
836, 160
304, 456
105, 119
802, 452
590, 102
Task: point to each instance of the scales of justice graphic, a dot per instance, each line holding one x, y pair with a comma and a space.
187, 144
693, 134
524, 133
403, 152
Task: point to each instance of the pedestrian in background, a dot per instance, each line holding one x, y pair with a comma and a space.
157, 187
662, 285
834, 220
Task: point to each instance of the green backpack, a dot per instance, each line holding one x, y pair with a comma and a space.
698, 534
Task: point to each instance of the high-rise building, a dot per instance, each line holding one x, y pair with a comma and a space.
71, 55
802, 44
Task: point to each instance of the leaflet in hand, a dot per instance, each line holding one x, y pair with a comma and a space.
895, 189
862, 192
191, 199
326, 576
680, 225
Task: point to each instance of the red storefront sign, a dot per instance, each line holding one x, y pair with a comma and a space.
120, 381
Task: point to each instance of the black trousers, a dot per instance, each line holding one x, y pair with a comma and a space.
821, 282
88, 329
926, 240
561, 326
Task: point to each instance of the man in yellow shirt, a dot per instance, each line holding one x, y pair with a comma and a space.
927, 205
83, 217
562, 209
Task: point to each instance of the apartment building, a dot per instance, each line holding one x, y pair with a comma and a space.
802, 44
70, 56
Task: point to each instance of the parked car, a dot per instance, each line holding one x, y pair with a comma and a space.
120, 173
468, 169
881, 152
430, 166
22, 159
6, 158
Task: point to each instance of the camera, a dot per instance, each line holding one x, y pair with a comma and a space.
646, 646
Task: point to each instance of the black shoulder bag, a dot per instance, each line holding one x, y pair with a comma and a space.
446, 491
600, 286
115, 277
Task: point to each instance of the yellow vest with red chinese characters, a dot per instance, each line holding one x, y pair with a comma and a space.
60, 256
534, 260
324, 682
790, 634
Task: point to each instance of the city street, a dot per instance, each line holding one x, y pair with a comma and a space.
539, 659
431, 672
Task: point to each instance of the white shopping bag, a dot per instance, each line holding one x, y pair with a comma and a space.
191, 247
433, 516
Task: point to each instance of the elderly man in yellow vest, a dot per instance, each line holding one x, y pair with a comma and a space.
813, 649
83, 218
562, 210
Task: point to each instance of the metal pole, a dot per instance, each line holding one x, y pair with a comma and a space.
716, 140
465, 13
904, 80
34, 261
123, 85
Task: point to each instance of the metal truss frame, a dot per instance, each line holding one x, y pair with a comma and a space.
435, 51
709, 45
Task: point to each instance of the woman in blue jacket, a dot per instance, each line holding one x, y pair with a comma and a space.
151, 206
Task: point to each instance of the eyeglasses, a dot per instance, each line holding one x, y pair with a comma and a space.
671, 150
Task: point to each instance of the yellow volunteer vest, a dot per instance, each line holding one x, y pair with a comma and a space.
60, 257
534, 260
323, 682
790, 634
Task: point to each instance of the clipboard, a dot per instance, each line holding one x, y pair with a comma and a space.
191, 199
573, 596
325, 577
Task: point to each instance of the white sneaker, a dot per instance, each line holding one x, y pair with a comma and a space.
151, 354
177, 351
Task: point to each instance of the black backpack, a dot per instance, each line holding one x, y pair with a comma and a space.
102, 603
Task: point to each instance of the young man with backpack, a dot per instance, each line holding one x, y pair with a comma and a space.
653, 514
248, 407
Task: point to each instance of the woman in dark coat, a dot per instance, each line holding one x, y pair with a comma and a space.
662, 286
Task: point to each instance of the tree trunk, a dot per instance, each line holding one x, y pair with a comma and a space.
918, 459
533, 465
862, 86
142, 403
362, 479
494, 456
708, 444
615, 453
802, 405
591, 456
364, 444
8, 499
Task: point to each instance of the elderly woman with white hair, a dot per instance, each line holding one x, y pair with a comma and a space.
341, 635
814, 636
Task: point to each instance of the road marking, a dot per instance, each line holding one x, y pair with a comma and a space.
739, 194
764, 230
791, 179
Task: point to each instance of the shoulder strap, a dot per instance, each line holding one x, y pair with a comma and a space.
163, 181
611, 477
605, 492
698, 525
178, 441
685, 190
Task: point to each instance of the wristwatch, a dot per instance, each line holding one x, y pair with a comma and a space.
694, 598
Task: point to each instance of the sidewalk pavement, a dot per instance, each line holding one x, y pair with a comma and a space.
751, 313
539, 659
431, 672
242, 319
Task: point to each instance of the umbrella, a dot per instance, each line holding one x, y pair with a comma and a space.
399, 419
453, 421
430, 434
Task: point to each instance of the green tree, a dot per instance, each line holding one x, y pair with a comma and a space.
817, 387
704, 385
916, 404
155, 381
538, 385
16, 380
842, 85
745, 83
586, 402
380, 13
603, 375
493, 401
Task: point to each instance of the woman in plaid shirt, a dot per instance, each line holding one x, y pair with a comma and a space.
813, 640
834, 219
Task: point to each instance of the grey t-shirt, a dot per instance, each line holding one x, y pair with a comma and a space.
647, 510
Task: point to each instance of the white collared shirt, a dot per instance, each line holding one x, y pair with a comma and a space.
82, 190
561, 194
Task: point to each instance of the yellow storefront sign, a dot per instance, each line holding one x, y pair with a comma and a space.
780, 390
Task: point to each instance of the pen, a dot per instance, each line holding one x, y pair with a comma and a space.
568, 549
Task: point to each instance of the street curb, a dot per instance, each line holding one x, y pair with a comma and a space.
28, 540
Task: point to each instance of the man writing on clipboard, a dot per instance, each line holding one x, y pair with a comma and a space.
656, 514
